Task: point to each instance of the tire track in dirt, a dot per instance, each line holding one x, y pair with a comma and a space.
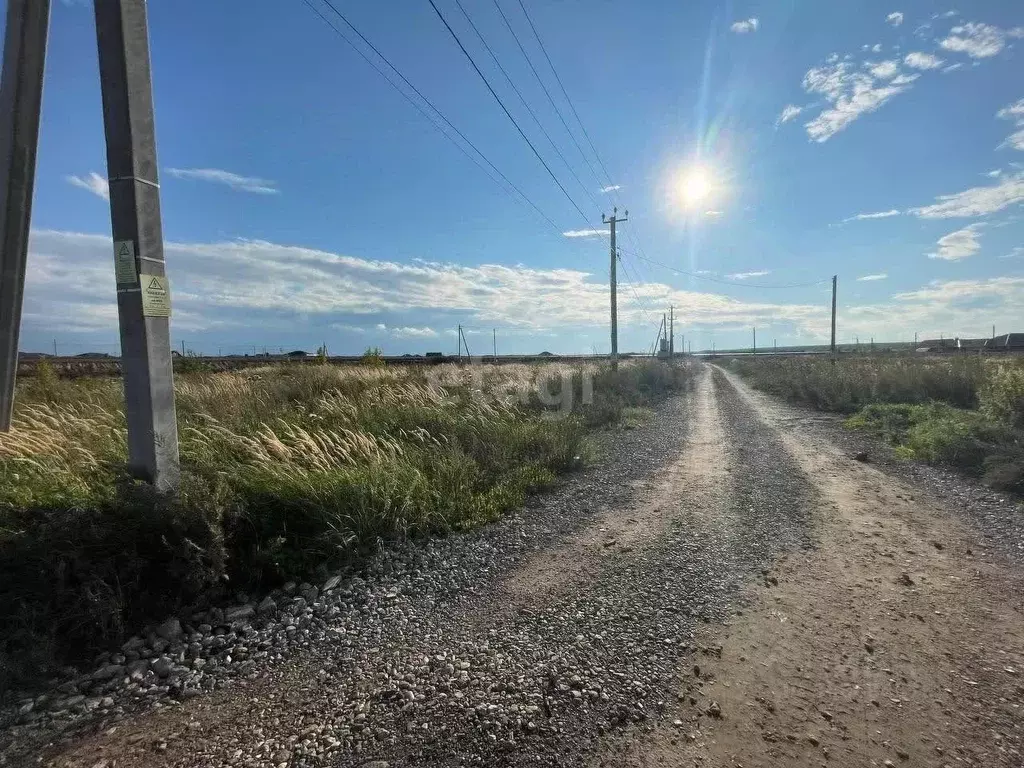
893, 642
699, 471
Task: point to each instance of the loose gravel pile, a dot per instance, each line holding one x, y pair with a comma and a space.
424, 659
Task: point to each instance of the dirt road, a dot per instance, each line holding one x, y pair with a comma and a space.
727, 588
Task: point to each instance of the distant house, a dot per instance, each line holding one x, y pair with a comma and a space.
297, 353
1007, 342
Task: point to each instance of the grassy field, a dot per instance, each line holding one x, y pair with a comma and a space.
965, 412
288, 472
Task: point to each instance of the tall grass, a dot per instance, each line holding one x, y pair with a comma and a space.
963, 412
853, 383
288, 472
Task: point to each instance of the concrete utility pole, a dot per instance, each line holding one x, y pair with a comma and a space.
21, 98
143, 292
615, 314
835, 279
671, 331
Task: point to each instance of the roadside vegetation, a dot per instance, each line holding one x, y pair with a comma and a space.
962, 412
289, 472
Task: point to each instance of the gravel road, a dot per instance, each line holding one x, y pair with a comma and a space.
618, 620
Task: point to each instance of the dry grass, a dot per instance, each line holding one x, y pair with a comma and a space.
287, 471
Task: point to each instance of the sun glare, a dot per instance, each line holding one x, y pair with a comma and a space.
696, 186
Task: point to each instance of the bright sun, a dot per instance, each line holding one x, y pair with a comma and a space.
696, 186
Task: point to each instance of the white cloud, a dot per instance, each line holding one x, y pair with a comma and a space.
851, 94
918, 60
748, 275
233, 180
1014, 112
743, 27
885, 70
876, 215
1016, 253
994, 174
712, 214
876, 48
895, 18
976, 201
1015, 140
610, 188
958, 245
409, 332
788, 113
869, 278
585, 233
942, 307
256, 284
93, 182
979, 41
905, 79
953, 67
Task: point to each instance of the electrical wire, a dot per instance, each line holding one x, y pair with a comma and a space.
629, 279
420, 109
564, 93
728, 282
633, 238
508, 114
526, 104
547, 93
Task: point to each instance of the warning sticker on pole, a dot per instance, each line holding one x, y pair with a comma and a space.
156, 296
124, 262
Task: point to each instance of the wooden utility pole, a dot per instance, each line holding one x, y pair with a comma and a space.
143, 292
614, 254
21, 98
835, 279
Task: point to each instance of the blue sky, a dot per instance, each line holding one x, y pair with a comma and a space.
305, 200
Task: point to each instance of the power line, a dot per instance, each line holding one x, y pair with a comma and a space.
526, 104
505, 110
564, 93
726, 282
547, 93
610, 182
420, 109
644, 306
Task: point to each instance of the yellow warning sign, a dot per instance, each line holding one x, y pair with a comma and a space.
125, 270
156, 296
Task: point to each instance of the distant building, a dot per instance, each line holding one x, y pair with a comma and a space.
1006, 342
